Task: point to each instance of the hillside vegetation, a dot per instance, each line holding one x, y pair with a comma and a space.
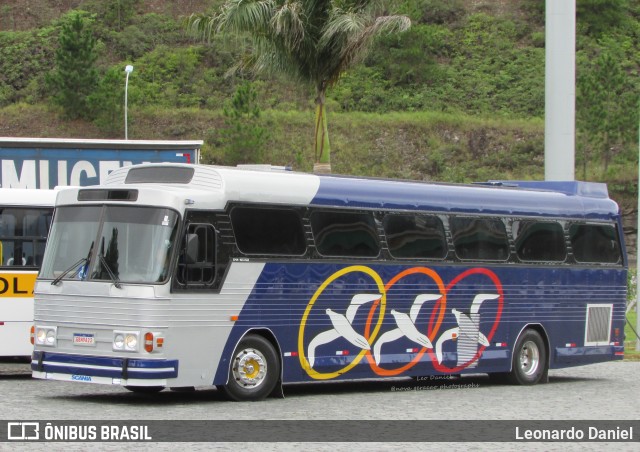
459, 97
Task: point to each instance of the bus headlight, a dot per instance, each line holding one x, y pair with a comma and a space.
46, 336
126, 341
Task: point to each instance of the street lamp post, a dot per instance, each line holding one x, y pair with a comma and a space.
128, 70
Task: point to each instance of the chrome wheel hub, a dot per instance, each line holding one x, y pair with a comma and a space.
529, 358
249, 368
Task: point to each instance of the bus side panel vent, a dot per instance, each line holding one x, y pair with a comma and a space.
598, 327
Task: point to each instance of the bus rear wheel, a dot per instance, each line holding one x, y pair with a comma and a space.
254, 369
529, 359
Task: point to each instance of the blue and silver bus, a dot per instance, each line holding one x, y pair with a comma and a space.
181, 276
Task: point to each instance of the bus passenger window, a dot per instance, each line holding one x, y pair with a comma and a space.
415, 236
479, 238
539, 241
7, 232
268, 231
345, 234
23, 232
595, 243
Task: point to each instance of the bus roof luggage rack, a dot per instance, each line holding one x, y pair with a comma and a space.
577, 188
262, 167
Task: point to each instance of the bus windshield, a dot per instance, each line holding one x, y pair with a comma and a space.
110, 243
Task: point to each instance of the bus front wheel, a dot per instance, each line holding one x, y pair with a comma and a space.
529, 359
254, 369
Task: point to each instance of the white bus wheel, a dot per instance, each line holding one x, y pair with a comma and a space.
254, 369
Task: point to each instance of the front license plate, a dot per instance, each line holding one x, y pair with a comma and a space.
84, 339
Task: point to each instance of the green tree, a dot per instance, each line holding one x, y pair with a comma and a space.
118, 12
106, 102
312, 41
596, 17
602, 107
75, 76
243, 137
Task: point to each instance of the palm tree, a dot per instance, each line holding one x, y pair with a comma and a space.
312, 41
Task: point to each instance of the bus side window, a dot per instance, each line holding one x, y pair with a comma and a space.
538, 241
274, 231
479, 238
32, 230
345, 234
593, 243
8, 233
197, 264
411, 236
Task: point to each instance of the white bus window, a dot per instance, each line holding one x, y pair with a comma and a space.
7, 235
7, 223
36, 224
23, 232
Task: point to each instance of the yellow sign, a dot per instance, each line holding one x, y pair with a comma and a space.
17, 284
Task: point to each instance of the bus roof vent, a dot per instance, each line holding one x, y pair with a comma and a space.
160, 175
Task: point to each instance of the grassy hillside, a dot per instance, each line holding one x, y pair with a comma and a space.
459, 97
429, 146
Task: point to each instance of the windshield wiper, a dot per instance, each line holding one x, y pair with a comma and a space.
114, 278
81, 261
56, 281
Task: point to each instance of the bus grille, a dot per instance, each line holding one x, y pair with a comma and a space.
598, 324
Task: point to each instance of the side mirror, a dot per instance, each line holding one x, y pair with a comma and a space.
191, 248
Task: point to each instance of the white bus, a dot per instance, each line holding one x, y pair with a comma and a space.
25, 217
183, 276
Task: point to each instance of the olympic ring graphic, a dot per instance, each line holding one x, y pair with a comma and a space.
304, 362
442, 303
342, 324
496, 281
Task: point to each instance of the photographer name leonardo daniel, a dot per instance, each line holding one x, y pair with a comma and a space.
576, 434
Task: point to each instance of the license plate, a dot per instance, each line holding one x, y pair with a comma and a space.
84, 339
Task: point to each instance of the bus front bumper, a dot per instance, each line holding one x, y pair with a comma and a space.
104, 370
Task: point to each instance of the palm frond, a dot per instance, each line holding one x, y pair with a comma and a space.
251, 16
354, 46
339, 28
288, 22
358, 43
201, 26
311, 40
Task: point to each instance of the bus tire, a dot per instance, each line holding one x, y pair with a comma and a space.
254, 369
529, 362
